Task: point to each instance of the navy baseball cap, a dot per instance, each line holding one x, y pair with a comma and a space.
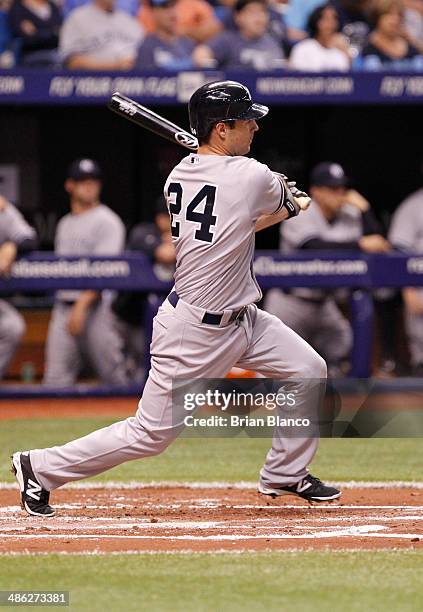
329, 174
82, 169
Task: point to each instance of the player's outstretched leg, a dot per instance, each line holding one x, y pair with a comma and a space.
278, 352
157, 422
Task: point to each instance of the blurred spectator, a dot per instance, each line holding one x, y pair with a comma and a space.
326, 49
127, 6
388, 47
296, 17
82, 327
277, 27
195, 19
406, 234
16, 237
249, 47
36, 23
155, 241
355, 21
164, 49
413, 22
338, 218
98, 37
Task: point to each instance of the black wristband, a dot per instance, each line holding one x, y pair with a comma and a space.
292, 208
287, 199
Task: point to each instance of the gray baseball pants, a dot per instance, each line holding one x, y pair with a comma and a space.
320, 323
12, 328
184, 347
99, 344
414, 328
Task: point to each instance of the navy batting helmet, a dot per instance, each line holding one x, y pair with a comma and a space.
221, 101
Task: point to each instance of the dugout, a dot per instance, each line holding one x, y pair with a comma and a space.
371, 124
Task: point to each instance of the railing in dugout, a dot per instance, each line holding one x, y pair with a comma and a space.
358, 272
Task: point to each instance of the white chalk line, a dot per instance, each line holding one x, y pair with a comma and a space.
87, 528
152, 507
321, 507
358, 531
164, 484
201, 525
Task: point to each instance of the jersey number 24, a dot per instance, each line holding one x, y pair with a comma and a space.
206, 218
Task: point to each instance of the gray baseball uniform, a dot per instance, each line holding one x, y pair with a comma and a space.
214, 202
13, 228
406, 234
98, 231
313, 313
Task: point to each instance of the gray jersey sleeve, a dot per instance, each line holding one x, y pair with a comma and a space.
265, 189
13, 226
111, 237
405, 229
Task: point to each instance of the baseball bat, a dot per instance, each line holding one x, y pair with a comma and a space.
146, 118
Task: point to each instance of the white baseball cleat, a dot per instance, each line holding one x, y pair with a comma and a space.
34, 499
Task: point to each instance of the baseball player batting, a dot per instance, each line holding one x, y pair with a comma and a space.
217, 199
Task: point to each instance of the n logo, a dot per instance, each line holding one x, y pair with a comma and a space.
33, 489
303, 486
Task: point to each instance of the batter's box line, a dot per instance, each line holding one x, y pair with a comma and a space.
164, 484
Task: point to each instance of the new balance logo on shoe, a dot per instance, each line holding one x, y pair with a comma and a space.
303, 485
33, 489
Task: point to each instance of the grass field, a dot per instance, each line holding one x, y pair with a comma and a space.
308, 581
229, 459
300, 581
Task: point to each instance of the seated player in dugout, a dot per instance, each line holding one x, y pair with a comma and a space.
16, 238
155, 241
406, 235
339, 219
83, 328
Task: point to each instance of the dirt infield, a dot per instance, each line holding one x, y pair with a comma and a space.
119, 518
165, 518
51, 408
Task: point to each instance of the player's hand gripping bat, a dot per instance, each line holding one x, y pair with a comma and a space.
146, 118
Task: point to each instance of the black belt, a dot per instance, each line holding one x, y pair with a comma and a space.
210, 317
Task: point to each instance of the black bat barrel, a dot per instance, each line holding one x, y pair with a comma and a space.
146, 118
